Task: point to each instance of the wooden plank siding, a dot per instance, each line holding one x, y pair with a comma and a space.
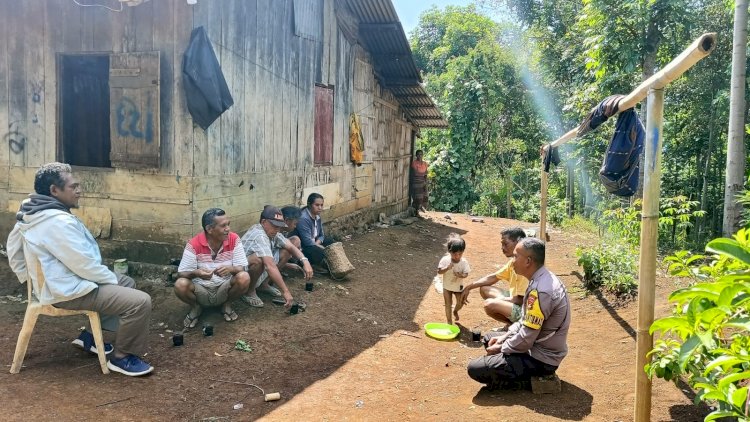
4, 104
260, 151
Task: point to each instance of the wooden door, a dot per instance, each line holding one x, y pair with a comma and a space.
323, 125
134, 109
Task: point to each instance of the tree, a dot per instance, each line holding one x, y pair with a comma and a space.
735, 172
477, 83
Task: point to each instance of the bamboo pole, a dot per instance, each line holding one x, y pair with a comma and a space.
647, 261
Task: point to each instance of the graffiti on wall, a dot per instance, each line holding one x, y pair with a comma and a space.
36, 92
15, 137
129, 120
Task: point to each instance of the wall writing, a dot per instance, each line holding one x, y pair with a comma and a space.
129, 120
15, 138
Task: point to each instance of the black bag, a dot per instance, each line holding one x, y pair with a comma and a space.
619, 172
206, 90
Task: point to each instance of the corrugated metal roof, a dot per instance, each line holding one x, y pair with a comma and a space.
382, 33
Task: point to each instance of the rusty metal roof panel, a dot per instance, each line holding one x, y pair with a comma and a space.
383, 35
374, 10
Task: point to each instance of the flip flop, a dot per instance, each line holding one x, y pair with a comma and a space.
190, 321
230, 316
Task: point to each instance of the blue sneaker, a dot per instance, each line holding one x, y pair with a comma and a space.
130, 365
86, 342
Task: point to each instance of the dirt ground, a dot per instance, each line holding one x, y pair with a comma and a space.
359, 352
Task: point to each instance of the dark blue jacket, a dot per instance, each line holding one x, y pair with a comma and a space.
305, 226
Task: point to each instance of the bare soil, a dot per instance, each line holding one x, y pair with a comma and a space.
358, 352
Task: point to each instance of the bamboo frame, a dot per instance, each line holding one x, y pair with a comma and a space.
700, 48
647, 259
654, 88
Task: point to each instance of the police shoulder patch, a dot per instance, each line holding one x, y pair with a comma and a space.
533, 317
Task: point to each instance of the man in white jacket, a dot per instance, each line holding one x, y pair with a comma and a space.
73, 270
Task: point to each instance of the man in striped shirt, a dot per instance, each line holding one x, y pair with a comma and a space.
265, 247
212, 269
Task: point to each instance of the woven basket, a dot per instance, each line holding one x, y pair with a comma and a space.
338, 263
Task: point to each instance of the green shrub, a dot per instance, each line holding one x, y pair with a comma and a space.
610, 267
676, 217
707, 337
579, 224
485, 207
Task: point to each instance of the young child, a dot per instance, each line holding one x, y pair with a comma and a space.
454, 269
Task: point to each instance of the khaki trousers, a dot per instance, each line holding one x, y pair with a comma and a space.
122, 308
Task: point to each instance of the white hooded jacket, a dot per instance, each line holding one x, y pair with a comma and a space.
70, 257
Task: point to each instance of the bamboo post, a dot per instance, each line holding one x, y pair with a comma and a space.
700, 48
647, 261
543, 207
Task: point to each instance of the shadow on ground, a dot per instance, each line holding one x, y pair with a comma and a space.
289, 353
572, 403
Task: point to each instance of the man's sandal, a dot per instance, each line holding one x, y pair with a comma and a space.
230, 316
190, 321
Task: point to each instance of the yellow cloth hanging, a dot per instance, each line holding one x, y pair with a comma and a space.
356, 142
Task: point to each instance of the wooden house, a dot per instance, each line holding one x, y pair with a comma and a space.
99, 84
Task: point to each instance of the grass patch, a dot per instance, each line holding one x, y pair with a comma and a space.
579, 224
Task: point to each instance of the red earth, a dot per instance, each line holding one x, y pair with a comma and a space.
358, 352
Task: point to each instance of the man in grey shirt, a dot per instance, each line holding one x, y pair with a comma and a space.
537, 343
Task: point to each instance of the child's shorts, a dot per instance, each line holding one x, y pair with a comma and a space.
515, 313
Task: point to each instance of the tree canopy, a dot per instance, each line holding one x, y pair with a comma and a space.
492, 81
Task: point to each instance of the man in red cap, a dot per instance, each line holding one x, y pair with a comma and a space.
265, 247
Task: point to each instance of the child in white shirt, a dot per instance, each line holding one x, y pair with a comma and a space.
454, 269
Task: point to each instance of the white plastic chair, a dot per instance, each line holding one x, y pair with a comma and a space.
34, 309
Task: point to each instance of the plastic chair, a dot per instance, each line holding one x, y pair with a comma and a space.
34, 309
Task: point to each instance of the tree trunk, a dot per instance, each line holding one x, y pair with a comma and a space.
735, 173
706, 169
588, 198
653, 39
508, 194
571, 191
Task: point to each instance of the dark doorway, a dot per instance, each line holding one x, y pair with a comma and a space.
85, 110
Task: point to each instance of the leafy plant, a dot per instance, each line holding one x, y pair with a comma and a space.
706, 339
625, 222
579, 224
242, 345
744, 199
676, 217
609, 266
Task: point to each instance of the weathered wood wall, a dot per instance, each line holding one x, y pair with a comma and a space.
260, 151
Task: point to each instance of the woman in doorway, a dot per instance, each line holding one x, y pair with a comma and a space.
310, 230
418, 183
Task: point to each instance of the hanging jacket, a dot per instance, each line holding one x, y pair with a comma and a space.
599, 114
206, 90
619, 172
